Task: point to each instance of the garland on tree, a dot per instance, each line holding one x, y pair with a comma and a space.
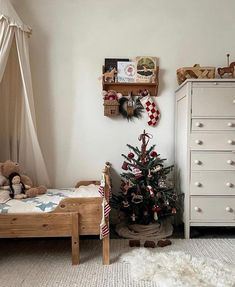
146, 195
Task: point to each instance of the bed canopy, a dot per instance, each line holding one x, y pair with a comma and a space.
18, 134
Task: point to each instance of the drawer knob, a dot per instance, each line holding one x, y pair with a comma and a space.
230, 124
228, 209
229, 184
198, 141
197, 161
198, 124
229, 161
197, 209
230, 141
198, 184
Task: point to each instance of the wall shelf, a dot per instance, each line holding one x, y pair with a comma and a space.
126, 88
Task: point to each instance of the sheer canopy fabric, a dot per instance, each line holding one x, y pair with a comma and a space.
18, 135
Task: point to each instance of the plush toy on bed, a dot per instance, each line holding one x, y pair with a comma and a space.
16, 186
9, 167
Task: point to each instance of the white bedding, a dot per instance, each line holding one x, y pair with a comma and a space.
49, 201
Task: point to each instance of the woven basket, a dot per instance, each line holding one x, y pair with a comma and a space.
195, 72
111, 108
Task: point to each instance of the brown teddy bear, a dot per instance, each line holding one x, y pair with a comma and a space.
9, 167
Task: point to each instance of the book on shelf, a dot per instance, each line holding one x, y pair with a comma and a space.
146, 69
126, 72
111, 63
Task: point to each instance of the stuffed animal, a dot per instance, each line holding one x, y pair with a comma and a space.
9, 167
16, 186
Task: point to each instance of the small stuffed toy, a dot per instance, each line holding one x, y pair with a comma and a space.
8, 167
16, 186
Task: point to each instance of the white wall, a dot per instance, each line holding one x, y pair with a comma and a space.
70, 40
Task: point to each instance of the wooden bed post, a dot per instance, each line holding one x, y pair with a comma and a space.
106, 245
106, 250
75, 239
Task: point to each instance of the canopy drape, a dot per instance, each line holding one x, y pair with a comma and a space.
18, 133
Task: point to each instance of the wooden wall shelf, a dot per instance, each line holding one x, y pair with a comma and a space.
126, 88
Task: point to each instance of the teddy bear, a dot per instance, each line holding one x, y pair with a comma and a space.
9, 167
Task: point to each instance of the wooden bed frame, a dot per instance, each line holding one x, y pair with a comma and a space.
71, 218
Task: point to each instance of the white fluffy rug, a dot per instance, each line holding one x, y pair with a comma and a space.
178, 269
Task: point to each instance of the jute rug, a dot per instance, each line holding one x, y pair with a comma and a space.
47, 262
138, 231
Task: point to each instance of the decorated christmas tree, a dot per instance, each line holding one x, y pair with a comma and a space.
147, 194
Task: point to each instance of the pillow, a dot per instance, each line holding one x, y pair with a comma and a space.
4, 196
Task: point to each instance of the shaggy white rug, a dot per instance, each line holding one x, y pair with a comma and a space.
178, 269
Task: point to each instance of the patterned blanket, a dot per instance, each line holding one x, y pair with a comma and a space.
49, 201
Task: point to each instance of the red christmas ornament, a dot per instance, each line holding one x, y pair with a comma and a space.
153, 154
156, 208
125, 165
131, 155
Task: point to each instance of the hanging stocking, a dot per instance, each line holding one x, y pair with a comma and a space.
152, 110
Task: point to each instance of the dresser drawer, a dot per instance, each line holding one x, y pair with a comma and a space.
213, 101
213, 208
213, 141
213, 124
212, 160
212, 183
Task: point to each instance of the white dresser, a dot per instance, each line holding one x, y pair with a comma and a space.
205, 151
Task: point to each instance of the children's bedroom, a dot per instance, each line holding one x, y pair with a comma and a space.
117, 143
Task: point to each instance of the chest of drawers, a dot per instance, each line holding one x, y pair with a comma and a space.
205, 152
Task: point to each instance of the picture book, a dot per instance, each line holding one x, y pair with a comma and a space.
146, 69
126, 72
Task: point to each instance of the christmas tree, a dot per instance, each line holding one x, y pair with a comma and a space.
147, 194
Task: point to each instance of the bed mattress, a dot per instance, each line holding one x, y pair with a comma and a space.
48, 201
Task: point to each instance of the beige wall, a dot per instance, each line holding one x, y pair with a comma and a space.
70, 40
